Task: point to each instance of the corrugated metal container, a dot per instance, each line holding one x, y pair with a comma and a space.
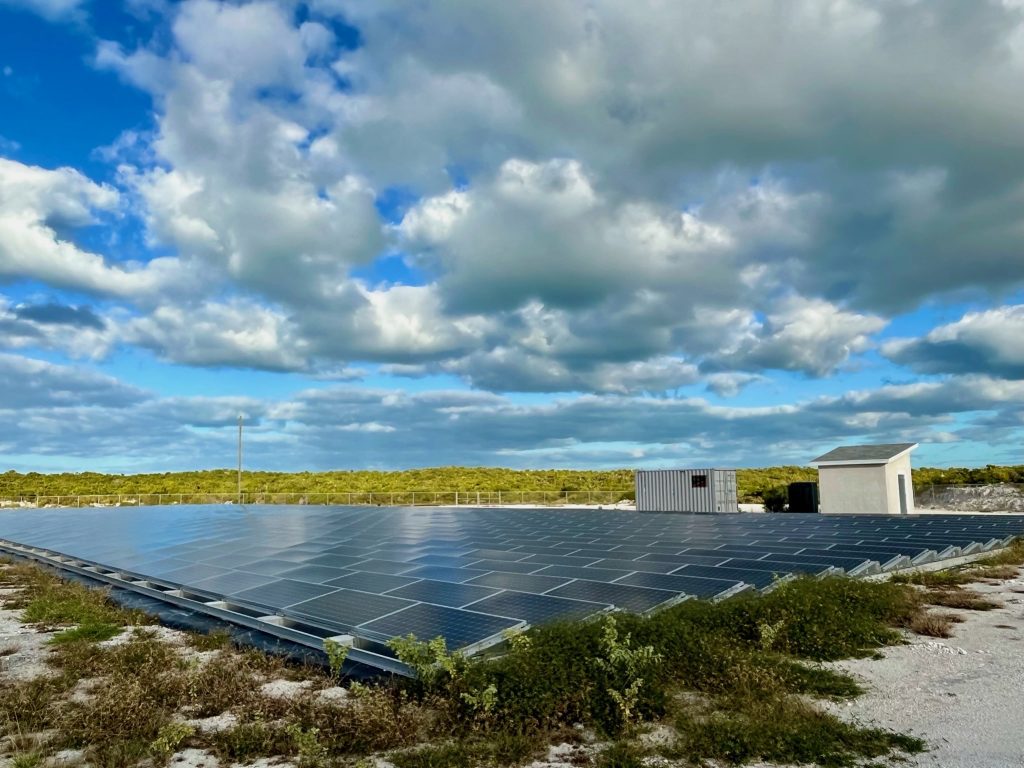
686, 490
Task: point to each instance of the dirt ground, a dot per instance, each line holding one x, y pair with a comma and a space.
964, 695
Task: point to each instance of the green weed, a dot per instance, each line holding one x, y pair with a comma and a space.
216, 640
87, 633
780, 729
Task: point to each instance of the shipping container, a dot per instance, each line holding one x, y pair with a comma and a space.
686, 490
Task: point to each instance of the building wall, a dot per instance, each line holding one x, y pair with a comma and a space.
893, 470
855, 489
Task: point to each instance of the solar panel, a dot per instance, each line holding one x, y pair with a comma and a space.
383, 566
631, 598
757, 578
231, 582
524, 582
281, 593
335, 561
318, 574
777, 566
443, 592
690, 585
572, 572
440, 573
444, 560
538, 609
459, 627
348, 608
371, 582
505, 566
650, 566
276, 557
268, 567
193, 573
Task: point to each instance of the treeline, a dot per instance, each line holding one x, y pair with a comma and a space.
753, 483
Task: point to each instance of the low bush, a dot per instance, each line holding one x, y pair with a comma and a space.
782, 729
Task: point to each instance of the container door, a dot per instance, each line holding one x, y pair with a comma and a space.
903, 493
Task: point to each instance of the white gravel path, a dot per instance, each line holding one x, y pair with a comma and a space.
964, 695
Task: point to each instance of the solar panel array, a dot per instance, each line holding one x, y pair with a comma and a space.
470, 574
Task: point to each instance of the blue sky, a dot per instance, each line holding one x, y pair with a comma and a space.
584, 235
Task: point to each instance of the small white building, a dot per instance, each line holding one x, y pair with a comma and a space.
866, 479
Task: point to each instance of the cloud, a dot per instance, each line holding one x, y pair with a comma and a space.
811, 336
240, 334
898, 117
990, 341
60, 314
76, 331
35, 203
29, 383
622, 204
52, 10
64, 411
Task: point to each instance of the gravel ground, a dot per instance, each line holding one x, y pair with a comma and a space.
964, 695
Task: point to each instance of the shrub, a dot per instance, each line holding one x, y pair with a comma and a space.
775, 498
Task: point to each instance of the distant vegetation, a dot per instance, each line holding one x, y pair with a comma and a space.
753, 483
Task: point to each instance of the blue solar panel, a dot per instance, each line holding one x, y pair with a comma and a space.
440, 573
524, 582
318, 574
459, 627
443, 592
272, 558
348, 608
282, 593
538, 609
631, 598
690, 585
371, 582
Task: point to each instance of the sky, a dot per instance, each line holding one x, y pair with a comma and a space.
533, 234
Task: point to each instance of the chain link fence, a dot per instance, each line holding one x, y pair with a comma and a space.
361, 498
997, 497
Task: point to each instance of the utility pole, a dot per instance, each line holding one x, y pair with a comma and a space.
239, 458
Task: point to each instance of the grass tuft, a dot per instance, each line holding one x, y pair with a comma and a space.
216, 640
933, 579
27, 760
621, 755
995, 572
87, 633
931, 625
781, 729
961, 598
453, 755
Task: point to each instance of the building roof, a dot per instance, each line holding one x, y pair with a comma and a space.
864, 454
